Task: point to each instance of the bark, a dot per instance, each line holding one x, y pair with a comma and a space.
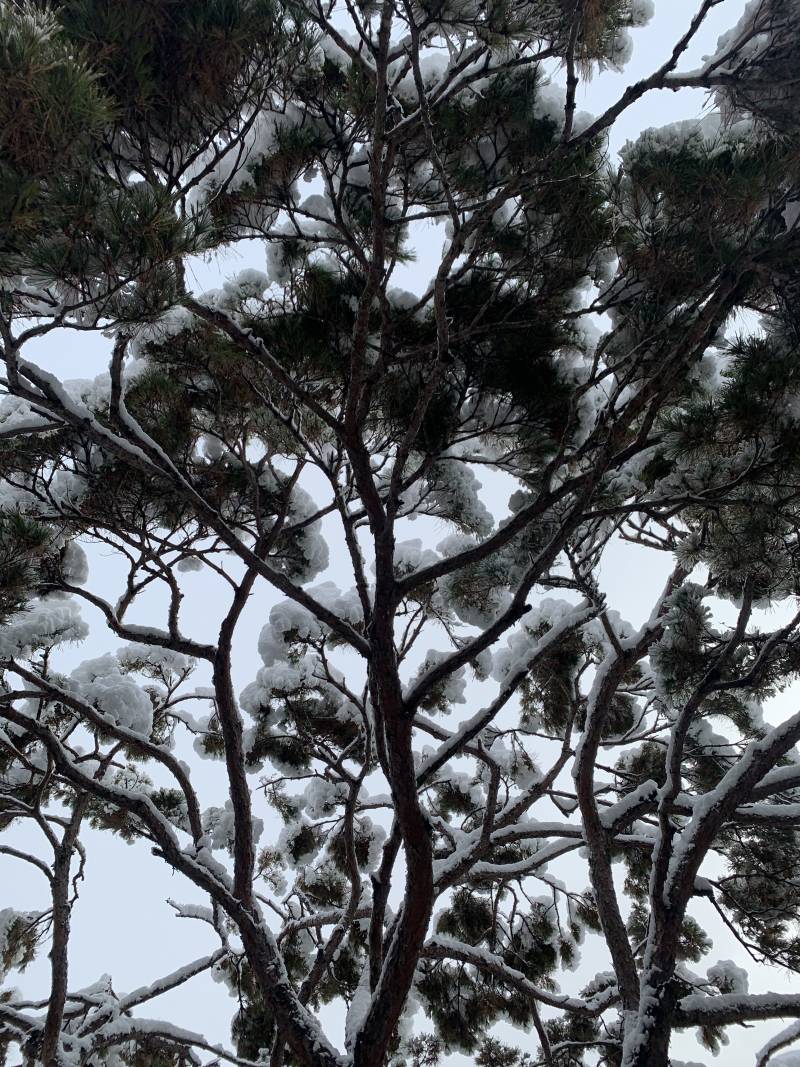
396, 726
59, 952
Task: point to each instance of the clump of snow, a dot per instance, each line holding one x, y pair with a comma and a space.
523, 645
152, 658
9, 918
477, 593
322, 796
247, 284
290, 623
791, 213
451, 689
749, 48
621, 52
289, 847
92, 393
45, 622
75, 564
170, 323
189, 563
410, 556
433, 68
454, 496
642, 12
401, 299
218, 824
16, 413
686, 133
728, 977
235, 168
101, 682
357, 1012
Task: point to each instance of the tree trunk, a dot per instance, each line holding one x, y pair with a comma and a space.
646, 1042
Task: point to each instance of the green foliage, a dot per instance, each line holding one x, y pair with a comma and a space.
509, 106
685, 205
175, 69
572, 1038
460, 1006
297, 720
424, 1050
136, 136
20, 934
680, 655
172, 804
52, 108
548, 691
494, 1053
469, 917
758, 889
23, 543
692, 944
154, 1052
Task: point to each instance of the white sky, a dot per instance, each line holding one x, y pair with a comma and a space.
122, 923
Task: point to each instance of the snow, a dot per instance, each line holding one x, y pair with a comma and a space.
781, 778
474, 608
193, 911
170, 323
78, 412
401, 299
233, 169
453, 687
523, 647
791, 213
101, 682
189, 563
454, 496
321, 797
92, 393
152, 658
617, 813
433, 68
290, 622
490, 961
17, 414
248, 284
286, 619
776, 741
75, 564
357, 1011
728, 39
789, 1035
8, 918
286, 843
219, 827
728, 977
682, 134
410, 556
45, 622
641, 12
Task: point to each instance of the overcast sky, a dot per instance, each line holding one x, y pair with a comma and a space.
122, 923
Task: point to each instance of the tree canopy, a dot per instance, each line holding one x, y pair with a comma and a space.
457, 761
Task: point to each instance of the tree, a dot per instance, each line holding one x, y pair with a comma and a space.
581, 341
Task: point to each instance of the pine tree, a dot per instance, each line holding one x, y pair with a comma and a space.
430, 743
